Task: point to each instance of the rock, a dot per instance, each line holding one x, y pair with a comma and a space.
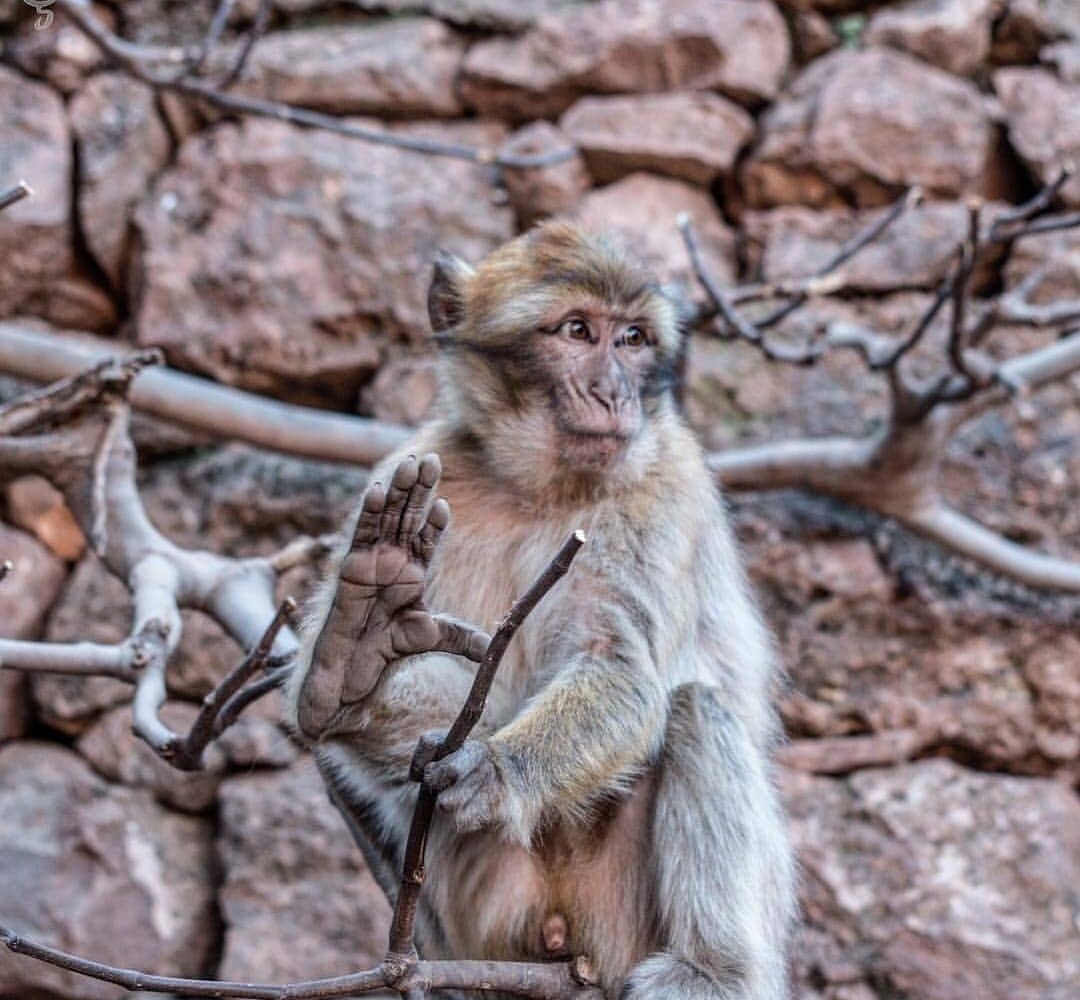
936, 882
403, 391
279, 259
30, 589
943, 673
542, 191
739, 47
36, 506
99, 871
26, 594
641, 211
257, 738
952, 34
122, 146
405, 67
1064, 58
693, 136
507, 16
812, 34
916, 251
41, 276
1025, 26
120, 756
238, 500
61, 55
292, 873
1044, 123
1055, 257
863, 125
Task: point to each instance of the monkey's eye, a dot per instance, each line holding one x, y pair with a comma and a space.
577, 329
635, 337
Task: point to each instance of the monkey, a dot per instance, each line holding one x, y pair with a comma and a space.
616, 799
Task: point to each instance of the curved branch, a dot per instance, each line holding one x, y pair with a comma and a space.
959, 533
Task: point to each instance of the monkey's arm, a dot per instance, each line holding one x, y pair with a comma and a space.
583, 737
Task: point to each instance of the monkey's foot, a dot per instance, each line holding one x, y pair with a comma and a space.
377, 614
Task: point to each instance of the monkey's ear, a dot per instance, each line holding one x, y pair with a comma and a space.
446, 296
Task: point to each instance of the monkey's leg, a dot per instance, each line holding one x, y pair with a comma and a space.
720, 861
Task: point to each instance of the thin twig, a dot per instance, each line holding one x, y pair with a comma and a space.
131, 59
14, 194
403, 923
258, 27
188, 756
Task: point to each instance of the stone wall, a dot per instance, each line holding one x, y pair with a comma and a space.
934, 710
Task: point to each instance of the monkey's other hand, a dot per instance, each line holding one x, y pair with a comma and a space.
472, 790
378, 613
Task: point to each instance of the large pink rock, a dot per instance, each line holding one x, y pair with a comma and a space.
915, 252
41, 276
538, 192
1044, 123
641, 210
935, 882
122, 145
739, 47
863, 125
397, 68
26, 594
292, 873
952, 34
102, 871
692, 136
279, 259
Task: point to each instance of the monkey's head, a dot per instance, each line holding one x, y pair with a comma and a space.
561, 354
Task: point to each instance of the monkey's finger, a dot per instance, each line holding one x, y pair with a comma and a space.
403, 481
425, 542
441, 774
412, 518
367, 525
461, 638
426, 748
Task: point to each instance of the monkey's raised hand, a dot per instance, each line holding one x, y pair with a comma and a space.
378, 613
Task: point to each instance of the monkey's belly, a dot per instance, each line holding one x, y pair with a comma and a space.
578, 892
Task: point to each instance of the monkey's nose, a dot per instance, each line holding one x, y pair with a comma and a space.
603, 391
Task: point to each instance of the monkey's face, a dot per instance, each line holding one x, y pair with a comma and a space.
594, 363
560, 358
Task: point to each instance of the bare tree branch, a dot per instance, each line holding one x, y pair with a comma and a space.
76, 435
205, 406
138, 62
895, 471
556, 981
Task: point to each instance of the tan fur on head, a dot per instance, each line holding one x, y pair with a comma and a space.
497, 375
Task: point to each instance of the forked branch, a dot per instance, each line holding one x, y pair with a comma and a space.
896, 471
75, 434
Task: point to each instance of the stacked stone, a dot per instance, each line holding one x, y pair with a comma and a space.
293, 263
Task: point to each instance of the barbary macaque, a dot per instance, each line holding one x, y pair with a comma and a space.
615, 800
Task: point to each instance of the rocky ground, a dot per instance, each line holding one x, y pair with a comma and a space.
933, 709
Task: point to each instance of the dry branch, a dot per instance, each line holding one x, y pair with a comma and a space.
75, 433
896, 471
144, 63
